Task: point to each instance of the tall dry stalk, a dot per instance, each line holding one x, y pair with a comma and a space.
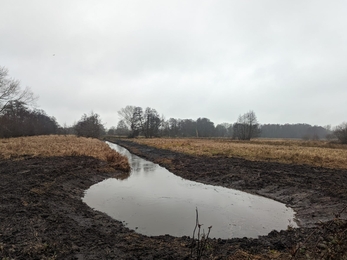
199, 245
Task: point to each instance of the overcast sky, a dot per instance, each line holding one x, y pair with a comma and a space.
285, 60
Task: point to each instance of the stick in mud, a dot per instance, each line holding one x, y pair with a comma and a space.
201, 242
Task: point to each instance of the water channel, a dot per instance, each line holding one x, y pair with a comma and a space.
153, 201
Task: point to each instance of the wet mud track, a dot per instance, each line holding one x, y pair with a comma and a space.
42, 215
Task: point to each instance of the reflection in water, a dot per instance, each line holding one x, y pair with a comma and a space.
123, 176
137, 164
154, 201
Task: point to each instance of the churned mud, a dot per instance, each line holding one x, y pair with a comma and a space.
42, 215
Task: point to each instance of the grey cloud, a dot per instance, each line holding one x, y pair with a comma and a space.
285, 60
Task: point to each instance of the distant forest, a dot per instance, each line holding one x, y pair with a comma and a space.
18, 119
136, 121
302, 131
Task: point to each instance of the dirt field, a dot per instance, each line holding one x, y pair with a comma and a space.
42, 215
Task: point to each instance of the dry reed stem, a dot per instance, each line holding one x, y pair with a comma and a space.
58, 145
315, 153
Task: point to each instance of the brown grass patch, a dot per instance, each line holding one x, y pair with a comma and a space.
56, 145
315, 153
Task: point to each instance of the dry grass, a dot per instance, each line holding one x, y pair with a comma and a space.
55, 145
316, 153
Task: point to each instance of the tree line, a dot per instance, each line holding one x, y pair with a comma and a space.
147, 122
297, 131
17, 118
134, 123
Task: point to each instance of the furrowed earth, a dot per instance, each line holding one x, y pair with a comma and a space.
42, 215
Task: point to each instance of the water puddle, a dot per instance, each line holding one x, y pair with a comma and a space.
153, 201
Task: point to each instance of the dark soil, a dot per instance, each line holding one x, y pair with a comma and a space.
42, 215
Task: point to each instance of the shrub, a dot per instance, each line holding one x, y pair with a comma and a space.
89, 126
341, 132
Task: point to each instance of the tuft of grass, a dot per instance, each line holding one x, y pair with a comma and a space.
58, 145
315, 153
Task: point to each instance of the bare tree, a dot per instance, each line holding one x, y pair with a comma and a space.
127, 115
151, 123
122, 128
136, 122
10, 90
174, 128
246, 127
132, 117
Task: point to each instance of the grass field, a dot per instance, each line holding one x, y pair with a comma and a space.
316, 153
58, 145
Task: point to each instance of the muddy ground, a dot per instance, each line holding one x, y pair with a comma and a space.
42, 215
